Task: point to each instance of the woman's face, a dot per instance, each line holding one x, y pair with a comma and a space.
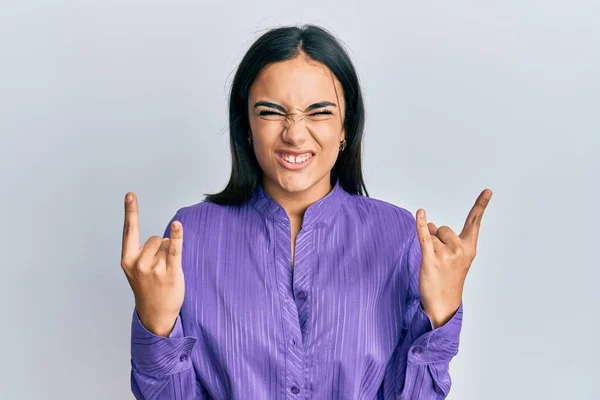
296, 124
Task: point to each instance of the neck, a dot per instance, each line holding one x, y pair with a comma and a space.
296, 203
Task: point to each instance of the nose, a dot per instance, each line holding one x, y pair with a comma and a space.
294, 132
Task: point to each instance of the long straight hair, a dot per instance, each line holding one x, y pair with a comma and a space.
280, 44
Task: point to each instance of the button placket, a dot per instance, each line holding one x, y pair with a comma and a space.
295, 357
302, 295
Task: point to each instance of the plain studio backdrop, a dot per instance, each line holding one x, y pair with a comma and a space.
100, 98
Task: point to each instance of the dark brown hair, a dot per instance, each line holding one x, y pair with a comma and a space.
281, 44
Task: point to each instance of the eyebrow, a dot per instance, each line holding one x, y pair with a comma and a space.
320, 104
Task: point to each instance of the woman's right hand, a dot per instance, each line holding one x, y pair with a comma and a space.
154, 271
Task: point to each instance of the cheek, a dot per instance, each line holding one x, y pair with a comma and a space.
328, 138
261, 148
264, 140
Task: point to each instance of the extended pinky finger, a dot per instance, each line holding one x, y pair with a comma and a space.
425, 239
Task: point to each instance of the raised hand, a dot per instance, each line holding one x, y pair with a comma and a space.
154, 271
446, 259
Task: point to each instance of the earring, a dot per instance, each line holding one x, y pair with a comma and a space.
342, 145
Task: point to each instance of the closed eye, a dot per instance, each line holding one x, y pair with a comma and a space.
266, 112
269, 113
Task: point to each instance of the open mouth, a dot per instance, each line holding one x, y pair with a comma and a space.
294, 161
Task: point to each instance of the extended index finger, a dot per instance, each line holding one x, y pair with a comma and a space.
472, 224
131, 230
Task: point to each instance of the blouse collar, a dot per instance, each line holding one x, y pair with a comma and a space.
319, 212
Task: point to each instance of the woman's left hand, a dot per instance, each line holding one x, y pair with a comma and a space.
446, 259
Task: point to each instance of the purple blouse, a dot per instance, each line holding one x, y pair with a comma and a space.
345, 322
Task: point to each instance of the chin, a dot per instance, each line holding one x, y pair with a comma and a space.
296, 184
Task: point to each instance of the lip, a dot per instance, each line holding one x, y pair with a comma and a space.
294, 166
295, 152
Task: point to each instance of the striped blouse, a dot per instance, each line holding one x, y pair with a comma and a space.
345, 322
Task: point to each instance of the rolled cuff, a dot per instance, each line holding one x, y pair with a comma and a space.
434, 345
159, 356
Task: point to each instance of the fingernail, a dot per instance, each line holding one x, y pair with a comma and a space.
174, 225
128, 198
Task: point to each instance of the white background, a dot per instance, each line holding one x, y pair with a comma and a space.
100, 98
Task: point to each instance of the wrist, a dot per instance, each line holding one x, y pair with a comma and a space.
159, 326
439, 316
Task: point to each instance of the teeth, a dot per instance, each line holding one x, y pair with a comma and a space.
297, 159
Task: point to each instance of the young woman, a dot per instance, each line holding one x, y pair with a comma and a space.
297, 284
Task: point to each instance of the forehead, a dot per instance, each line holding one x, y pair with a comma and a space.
296, 82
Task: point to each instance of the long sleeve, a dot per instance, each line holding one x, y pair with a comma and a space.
424, 355
161, 367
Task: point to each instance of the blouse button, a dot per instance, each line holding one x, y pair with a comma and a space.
302, 295
183, 357
295, 389
417, 350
